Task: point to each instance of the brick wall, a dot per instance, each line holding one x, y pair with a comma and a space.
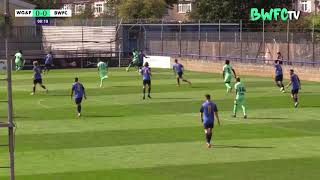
261, 70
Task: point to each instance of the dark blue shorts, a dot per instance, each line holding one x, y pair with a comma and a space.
279, 78
208, 125
146, 82
294, 91
180, 74
78, 100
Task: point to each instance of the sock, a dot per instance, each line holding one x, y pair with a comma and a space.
130, 65
149, 91
295, 99
144, 92
178, 80
281, 84
235, 107
34, 89
244, 110
79, 108
101, 82
228, 85
43, 86
209, 137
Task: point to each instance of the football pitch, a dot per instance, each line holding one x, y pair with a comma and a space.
122, 137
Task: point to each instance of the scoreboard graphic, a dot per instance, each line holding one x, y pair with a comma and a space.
42, 16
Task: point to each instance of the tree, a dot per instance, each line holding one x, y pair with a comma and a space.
87, 13
45, 4
142, 9
209, 10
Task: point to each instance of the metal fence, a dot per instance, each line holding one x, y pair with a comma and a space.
238, 40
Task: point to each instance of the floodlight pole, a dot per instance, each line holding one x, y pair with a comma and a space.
9, 86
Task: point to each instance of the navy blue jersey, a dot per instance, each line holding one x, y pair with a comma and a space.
208, 109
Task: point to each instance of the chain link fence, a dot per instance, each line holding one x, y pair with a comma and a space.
238, 40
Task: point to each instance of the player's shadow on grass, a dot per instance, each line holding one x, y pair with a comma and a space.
102, 116
173, 98
242, 147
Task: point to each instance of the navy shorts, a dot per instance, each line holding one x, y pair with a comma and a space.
294, 91
208, 125
37, 81
279, 78
180, 74
146, 82
78, 100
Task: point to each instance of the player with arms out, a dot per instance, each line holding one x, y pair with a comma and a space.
279, 75
296, 86
207, 112
135, 60
146, 77
240, 98
178, 71
103, 70
227, 75
78, 92
48, 62
19, 60
37, 78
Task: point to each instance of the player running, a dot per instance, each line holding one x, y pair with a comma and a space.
279, 75
37, 79
103, 70
146, 76
227, 75
48, 62
207, 112
78, 92
141, 57
19, 60
178, 71
135, 60
296, 86
240, 98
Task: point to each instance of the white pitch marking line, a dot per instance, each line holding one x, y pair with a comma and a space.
45, 106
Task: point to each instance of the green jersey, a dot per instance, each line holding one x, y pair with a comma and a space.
18, 57
227, 69
241, 90
102, 66
135, 56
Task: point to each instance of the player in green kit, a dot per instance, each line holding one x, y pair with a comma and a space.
103, 70
240, 98
227, 75
19, 60
135, 60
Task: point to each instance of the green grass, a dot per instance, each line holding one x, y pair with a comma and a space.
122, 137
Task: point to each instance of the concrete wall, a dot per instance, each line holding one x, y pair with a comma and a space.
261, 70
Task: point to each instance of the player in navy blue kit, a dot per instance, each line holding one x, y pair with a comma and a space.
279, 75
296, 86
207, 112
48, 62
37, 78
178, 70
146, 77
78, 92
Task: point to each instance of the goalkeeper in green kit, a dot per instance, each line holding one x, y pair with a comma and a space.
103, 70
135, 60
240, 98
19, 60
227, 75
